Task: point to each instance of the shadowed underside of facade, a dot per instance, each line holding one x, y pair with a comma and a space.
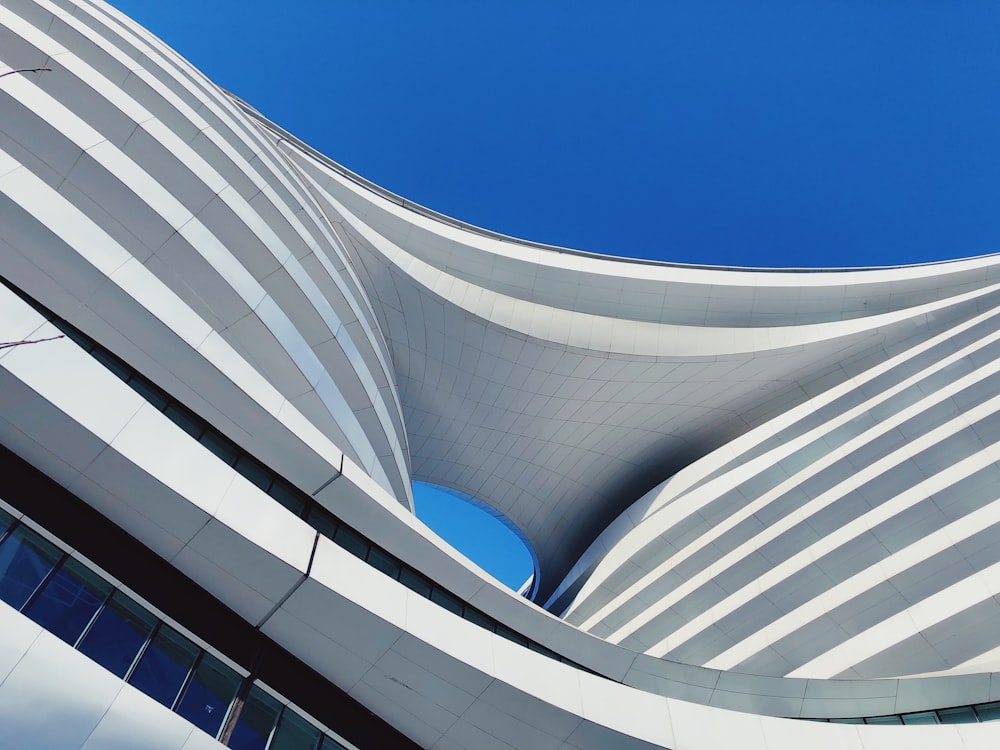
230, 357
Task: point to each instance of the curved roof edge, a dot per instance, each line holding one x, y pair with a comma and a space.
430, 213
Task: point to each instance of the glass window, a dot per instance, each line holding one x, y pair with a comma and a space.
254, 471
84, 342
256, 721
924, 717
883, 720
510, 635
323, 522
25, 560
383, 561
477, 617
446, 600
962, 715
220, 447
184, 419
351, 541
415, 582
209, 694
847, 721
148, 391
331, 744
539, 648
117, 634
112, 362
294, 733
164, 666
6, 521
988, 711
288, 496
582, 668
69, 601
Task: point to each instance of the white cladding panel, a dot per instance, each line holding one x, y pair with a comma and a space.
822, 447
52, 696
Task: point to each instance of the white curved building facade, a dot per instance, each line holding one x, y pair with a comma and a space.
754, 497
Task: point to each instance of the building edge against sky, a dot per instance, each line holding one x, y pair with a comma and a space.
230, 357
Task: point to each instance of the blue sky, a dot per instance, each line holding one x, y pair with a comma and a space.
821, 133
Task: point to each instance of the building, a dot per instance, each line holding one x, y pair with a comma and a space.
226, 358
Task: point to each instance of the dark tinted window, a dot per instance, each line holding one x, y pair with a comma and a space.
69, 601
25, 560
288, 496
323, 522
963, 715
185, 420
209, 694
988, 711
112, 362
220, 447
117, 634
924, 717
256, 721
6, 521
510, 635
150, 392
165, 664
383, 561
351, 541
294, 733
254, 472
478, 618
539, 648
415, 582
446, 600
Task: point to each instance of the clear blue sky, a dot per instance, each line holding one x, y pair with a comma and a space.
775, 133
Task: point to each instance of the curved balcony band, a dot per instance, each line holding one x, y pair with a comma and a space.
754, 496
591, 380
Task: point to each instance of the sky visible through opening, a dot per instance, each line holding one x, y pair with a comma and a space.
476, 533
784, 134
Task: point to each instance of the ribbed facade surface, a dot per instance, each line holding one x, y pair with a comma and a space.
852, 536
753, 496
147, 176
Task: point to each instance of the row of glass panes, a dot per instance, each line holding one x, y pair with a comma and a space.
978, 712
83, 609
291, 497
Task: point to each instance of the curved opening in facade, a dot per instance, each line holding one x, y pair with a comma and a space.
479, 532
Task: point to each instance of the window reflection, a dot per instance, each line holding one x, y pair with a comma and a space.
69, 601
963, 715
206, 700
294, 733
161, 671
82, 608
25, 560
117, 634
256, 722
